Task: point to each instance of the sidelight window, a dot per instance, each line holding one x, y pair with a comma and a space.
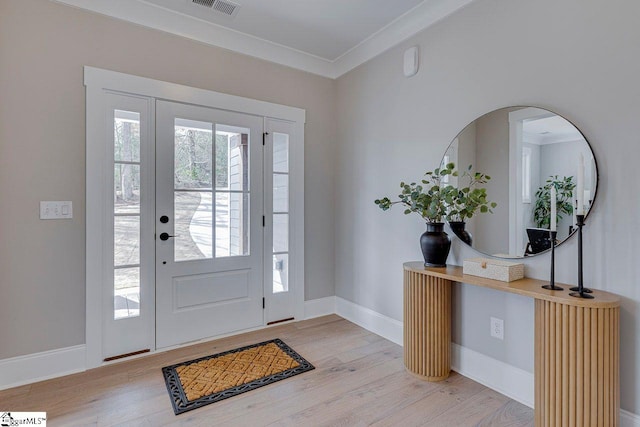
280, 212
126, 215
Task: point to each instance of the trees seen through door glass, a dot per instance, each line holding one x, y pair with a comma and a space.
199, 164
126, 215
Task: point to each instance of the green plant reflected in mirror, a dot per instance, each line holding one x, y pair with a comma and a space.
525, 151
565, 188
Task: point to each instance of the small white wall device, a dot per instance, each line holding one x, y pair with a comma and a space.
411, 61
56, 210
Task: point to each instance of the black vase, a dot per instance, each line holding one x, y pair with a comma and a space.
458, 228
435, 245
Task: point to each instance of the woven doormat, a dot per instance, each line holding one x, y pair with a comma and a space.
213, 378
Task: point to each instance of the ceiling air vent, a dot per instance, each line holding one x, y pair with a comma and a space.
207, 3
221, 6
225, 7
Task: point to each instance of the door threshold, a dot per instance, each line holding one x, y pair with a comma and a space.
144, 353
275, 322
122, 356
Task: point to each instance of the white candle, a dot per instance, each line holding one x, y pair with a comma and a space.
580, 185
553, 208
575, 206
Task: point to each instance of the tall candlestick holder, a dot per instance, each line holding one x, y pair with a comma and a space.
552, 280
580, 291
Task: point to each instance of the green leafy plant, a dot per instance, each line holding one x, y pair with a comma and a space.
434, 201
468, 200
564, 195
429, 199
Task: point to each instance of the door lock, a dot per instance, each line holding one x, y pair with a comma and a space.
164, 219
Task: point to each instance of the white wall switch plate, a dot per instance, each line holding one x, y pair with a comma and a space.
56, 210
497, 328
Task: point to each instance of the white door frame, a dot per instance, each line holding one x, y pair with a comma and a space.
98, 82
516, 223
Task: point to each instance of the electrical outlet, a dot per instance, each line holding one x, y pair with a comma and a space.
497, 328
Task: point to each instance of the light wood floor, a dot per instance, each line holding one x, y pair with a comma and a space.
359, 380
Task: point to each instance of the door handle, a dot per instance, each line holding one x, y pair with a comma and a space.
165, 236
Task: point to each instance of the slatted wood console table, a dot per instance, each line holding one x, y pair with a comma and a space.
576, 343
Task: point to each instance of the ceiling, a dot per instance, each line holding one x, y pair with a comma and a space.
327, 28
551, 130
326, 37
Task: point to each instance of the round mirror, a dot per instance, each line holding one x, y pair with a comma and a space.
525, 151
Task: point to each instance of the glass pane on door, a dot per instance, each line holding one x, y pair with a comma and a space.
127, 188
126, 136
280, 152
280, 212
280, 192
232, 191
201, 210
193, 213
232, 158
193, 195
193, 154
126, 242
126, 214
127, 292
280, 233
280, 273
232, 224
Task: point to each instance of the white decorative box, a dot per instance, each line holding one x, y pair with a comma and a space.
504, 271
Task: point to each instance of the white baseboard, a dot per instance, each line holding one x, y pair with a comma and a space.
319, 307
373, 321
629, 419
513, 382
32, 368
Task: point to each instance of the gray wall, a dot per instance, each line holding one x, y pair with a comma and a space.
484, 57
492, 153
43, 47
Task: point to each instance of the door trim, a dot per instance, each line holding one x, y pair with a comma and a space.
98, 82
142, 86
517, 242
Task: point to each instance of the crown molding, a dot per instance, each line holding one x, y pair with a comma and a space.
159, 18
415, 20
153, 16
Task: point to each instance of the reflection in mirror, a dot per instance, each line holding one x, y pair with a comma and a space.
525, 150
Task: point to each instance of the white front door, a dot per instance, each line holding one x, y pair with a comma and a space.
209, 222
168, 158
